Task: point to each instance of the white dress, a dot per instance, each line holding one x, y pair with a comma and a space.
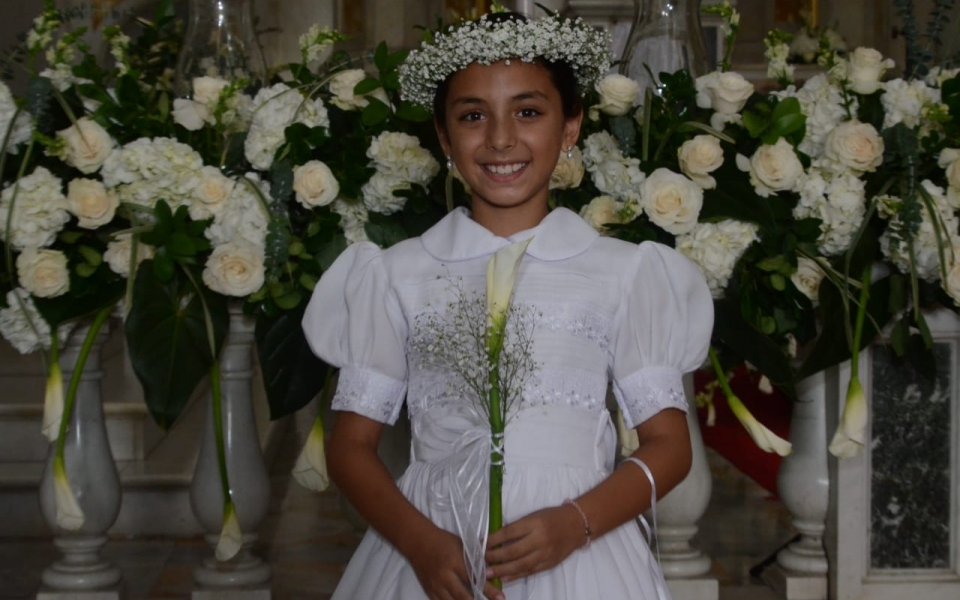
639, 316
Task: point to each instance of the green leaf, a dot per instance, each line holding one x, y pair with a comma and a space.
167, 341
396, 59
786, 125
381, 56
374, 113
289, 301
331, 251
163, 265
292, 374
624, 131
778, 263
366, 86
85, 270
181, 244
736, 334
786, 107
413, 112
754, 124
384, 231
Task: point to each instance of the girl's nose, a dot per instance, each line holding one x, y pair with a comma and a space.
501, 134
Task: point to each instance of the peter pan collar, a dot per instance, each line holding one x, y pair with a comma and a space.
560, 235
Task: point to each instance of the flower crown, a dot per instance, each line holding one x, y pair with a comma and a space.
485, 41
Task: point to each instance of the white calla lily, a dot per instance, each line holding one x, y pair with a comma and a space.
53, 403
310, 471
501, 275
231, 538
629, 440
69, 514
850, 436
765, 439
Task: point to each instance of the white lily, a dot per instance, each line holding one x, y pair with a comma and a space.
311, 468
850, 436
629, 440
231, 538
53, 403
765, 439
69, 514
501, 276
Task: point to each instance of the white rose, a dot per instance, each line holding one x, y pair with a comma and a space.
618, 94
234, 269
87, 145
92, 204
671, 201
601, 211
699, 157
43, 273
952, 283
865, 69
949, 160
807, 278
191, 115
206, 90
211, 194
315, 184
378, 193
342, 85
773, 168
855, 145
119, 251
569, 171
725, 93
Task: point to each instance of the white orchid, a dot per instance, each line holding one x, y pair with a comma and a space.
69, 514
310, 471
231, 538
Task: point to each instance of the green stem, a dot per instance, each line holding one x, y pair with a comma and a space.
496, 457
77, 373
721, 375
858, 328
216, 401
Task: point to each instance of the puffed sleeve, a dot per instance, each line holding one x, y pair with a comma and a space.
664, 325
354, 322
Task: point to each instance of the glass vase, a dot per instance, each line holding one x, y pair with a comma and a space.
666, 37
220, 42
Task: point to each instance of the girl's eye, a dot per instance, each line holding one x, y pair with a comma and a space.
471, 116
528, 112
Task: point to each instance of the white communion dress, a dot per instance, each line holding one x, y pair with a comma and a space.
639, 316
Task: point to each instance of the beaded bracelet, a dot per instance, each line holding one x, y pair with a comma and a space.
586, 524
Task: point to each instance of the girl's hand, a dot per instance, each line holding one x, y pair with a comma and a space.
535, 543
441, 571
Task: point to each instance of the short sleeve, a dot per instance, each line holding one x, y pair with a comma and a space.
354, 322
663, 330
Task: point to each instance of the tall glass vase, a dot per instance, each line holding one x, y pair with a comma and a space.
220, 42
531, 10
666, 37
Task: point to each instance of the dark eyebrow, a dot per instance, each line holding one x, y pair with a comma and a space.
472, 100
532, 95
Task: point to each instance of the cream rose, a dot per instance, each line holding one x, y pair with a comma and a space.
855, 145
92, 204
86, 145
342, 85
212, 194
191, 115
601, 211
807, 278
315, 184
569, 171
699, 157
234, 269
43, 273
952, 283
773, 168
725, 93
672, 201
618, 94
117, 255
949, 160
865, 69
206, 90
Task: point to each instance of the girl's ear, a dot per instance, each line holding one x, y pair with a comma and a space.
571, 130
442, 136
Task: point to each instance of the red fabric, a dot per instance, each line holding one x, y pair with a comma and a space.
729, 438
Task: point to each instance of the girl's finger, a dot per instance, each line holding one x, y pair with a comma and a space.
492, 593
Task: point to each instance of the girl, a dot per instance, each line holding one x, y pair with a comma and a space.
505, 93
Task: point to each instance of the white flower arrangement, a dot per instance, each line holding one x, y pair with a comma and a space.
716, 248
613, 173
19, 129
40, 212
276, 108
401, 162
21, 323
486, 41
146, 170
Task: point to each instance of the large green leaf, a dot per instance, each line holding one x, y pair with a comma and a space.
167, 339
292, 374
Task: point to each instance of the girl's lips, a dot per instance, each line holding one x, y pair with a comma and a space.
504, 172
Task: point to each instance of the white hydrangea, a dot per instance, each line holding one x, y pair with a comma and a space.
904, 101
353, 219
21, 129
838, 200
147, 170
938, 75
716, 248
21, 323
400, 162
777, 66
244, 217
39, 210
275, 109
378, 193
613, 173
821, 103
925, 249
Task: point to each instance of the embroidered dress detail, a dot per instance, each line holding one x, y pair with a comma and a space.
369, 393
647, 392
591, 327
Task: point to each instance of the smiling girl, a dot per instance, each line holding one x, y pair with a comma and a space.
506, 96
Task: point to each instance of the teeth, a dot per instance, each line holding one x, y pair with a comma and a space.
505, 169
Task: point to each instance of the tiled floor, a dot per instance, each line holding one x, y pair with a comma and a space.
308, 540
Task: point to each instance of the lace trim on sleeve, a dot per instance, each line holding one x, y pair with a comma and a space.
370, 394
647, 392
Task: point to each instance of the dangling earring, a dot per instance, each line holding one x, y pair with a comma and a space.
449, 162
570, 152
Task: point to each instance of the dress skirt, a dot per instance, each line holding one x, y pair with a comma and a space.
551, 453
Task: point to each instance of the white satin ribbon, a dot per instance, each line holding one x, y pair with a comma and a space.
458, 481
662, 592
